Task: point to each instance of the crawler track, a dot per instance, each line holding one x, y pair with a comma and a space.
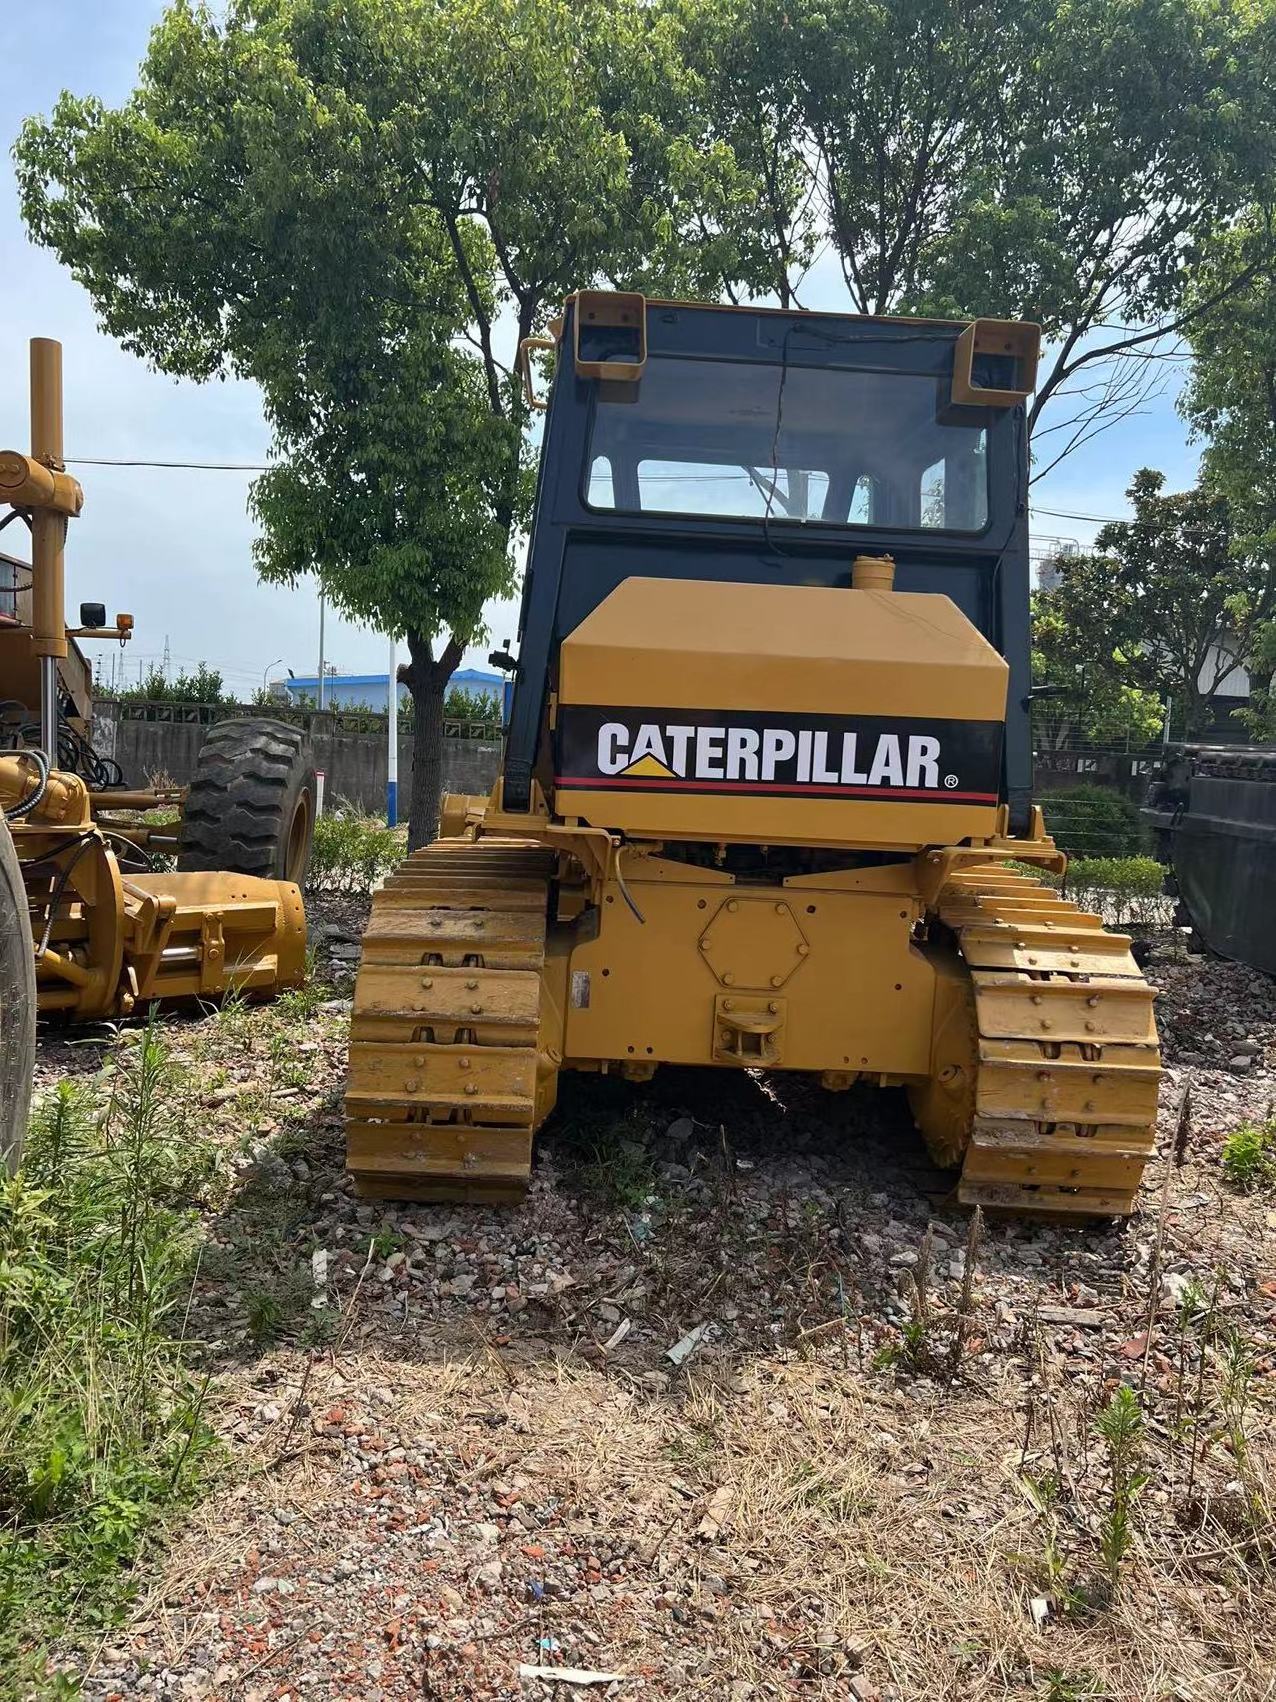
447, 1084
1058, 1086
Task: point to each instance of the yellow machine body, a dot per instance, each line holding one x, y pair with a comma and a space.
767, 828
746, 654
107, 939
1021, 1028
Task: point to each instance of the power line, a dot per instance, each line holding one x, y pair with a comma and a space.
194, 466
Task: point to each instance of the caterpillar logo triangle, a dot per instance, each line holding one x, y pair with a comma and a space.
648, 767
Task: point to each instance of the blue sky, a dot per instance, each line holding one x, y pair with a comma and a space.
174, 547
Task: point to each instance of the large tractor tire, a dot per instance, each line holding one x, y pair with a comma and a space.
250, 809
17, 1005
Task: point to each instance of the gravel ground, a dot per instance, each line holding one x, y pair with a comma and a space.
459, 1448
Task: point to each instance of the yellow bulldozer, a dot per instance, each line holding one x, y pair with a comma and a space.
766, 795
93, 923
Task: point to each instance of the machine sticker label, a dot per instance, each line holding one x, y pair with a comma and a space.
774, 755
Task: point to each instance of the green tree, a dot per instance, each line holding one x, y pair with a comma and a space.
1090, 691
1230, 398
1056, 161
1230, 401
1172, 593
363, 205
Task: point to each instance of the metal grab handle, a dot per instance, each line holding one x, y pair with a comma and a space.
524, 364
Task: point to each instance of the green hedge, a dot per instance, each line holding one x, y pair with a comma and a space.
352, 852
1095, 821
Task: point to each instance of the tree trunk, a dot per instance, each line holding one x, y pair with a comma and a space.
427, 680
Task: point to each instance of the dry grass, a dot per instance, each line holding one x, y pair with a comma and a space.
864, 1528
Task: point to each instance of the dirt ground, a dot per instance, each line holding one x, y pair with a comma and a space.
459, 1451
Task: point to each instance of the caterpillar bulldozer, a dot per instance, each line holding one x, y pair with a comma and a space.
93, 923
766, 794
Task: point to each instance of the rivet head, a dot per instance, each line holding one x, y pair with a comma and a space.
777, 980
726, 1036
728, 1004
419, 1062
732, 905
1089, 1105
462, 1063
1036, 998
728, 980
427, 981
1090, 1027
1032, 960
1092, 1000
436, 921
781, 909
1046, 1022
471, 1087
471, 985
772, 1007
1043, 1075
475, 1010
411, 1084
803, 949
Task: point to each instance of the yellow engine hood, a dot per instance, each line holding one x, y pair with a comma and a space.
707, 710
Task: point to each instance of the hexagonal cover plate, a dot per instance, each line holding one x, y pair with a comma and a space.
754, 942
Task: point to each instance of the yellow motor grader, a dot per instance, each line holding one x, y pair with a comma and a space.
766, 799
89, 927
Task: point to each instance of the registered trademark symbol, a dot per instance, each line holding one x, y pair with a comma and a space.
950, 780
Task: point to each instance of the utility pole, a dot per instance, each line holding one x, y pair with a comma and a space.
392, 754
321, 603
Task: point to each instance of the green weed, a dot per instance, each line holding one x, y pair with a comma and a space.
1120, 1424
1249, 1155
101, 1423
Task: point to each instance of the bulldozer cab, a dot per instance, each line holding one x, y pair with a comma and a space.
762, 447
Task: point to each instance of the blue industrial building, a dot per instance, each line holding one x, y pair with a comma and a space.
372, 691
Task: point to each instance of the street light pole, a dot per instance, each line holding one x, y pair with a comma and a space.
267, 668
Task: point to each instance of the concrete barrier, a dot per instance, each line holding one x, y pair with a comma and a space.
349, 749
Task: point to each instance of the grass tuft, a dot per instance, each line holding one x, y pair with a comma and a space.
1249, 1155
101, 1423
